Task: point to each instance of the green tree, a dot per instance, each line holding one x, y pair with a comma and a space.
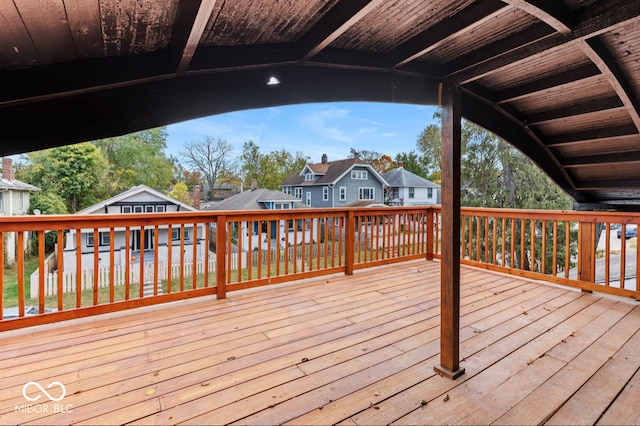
75, 172
429, 145
137, 159
269, 169
411, 162
180, 192
48, 202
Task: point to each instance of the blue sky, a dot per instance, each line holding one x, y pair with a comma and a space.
313, 129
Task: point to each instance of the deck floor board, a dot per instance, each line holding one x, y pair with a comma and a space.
353, 350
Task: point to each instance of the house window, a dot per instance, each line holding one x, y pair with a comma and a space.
308, 177
161, 209
430, 192
359, 174
366, 194
103, 237
281, 206
286, 190
325, 193
138, 209
298, 193
126, 209
175, 233
343, 193
412, 192
149, 209
308, 201
1, 201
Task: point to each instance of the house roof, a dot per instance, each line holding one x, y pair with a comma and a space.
558, 79
330, 172
16, 185
401, 177
253, 199
128, 194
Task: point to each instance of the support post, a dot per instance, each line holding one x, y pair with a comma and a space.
450, 265
431, 231
349, 244
587, 252
221, 256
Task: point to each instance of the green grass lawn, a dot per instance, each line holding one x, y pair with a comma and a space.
10, 282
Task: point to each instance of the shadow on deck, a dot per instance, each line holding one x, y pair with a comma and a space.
354, 349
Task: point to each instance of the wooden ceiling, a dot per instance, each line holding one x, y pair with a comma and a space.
557, 79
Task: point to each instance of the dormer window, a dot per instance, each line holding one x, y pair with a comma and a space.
308, 177
359, 174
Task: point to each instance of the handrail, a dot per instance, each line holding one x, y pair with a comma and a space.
138, 259
514, 241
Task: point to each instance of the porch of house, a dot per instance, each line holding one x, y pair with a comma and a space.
339, 349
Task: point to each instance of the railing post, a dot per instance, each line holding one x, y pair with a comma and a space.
430, 233
221, 251
586, 252
349, 242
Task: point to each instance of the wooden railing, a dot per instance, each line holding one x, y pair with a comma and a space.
579, 249
132, 260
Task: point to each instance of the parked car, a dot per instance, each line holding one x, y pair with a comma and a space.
630, 232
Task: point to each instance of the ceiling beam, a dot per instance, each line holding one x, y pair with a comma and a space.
431, 38
600, 17
599, 54
619, 184
546, 83
192, 18
612, 159
552, 12
516, 40
586, 107
333, 24
593, 134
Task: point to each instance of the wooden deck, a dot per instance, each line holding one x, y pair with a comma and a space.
341, 349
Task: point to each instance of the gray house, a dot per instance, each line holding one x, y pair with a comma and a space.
254, 235
336, 183
408, 189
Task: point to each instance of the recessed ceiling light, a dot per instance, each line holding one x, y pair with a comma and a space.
273, 81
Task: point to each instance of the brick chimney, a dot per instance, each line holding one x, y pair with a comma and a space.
325, 159
400, 165
196, 197
7, 169
254, 184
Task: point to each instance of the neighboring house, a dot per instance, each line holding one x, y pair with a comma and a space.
221, 191
139, 199
408, 189
254, 235
14, 201
336, 183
